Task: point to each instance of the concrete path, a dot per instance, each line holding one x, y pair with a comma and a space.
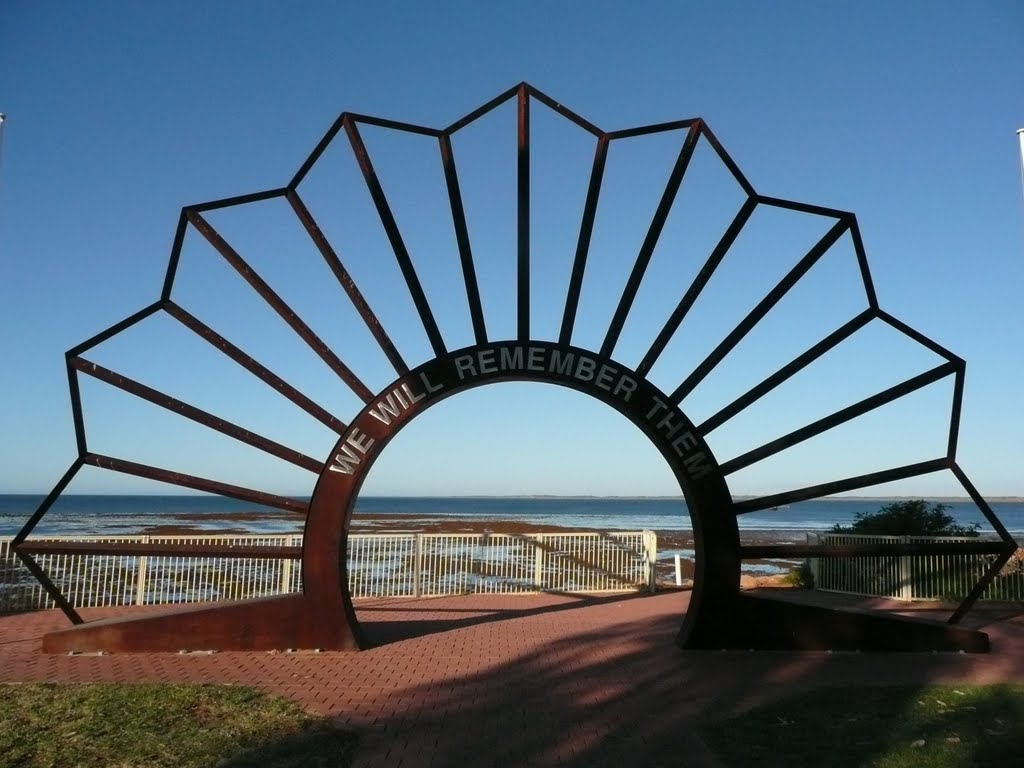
533, 680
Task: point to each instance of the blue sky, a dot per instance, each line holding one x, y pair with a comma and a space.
121, 113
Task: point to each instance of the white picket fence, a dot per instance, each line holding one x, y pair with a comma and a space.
912, 577
379, 565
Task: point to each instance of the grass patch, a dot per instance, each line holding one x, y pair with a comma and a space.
889, 727
155, 725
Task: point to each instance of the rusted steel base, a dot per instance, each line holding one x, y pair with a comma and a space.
271, 623
765, 623
290, 621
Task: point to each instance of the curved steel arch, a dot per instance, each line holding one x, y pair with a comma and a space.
719, 615
716, 536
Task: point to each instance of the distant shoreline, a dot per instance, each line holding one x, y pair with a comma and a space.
570, 497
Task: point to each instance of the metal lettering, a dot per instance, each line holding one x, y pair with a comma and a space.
464, 363
585, 369
386, 409
684, 443
511, 358
561, 362
431, 388
625, 388
413, 396
659, 405
667, 420
360, 440
486, 360
696, 465
604, 377
347, 461
398, 396
535, 360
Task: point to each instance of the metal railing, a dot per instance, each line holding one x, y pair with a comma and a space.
913, 577
379, 565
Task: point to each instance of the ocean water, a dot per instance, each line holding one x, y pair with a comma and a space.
111, 515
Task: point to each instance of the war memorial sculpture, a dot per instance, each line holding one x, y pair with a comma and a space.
322, 615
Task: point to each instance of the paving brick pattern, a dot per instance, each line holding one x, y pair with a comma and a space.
537, 680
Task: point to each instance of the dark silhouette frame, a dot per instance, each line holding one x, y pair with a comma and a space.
719, 616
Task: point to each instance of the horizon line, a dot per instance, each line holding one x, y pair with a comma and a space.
680, 497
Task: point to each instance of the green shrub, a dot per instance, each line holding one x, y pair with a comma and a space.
802, 576
913, 517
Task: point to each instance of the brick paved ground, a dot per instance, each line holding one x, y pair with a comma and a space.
520, 680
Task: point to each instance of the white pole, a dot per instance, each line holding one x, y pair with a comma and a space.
1020, 137
2, 118
679, 571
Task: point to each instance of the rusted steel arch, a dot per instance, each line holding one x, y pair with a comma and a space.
322, 616
616, 385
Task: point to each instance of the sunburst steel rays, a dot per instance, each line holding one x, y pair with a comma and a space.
652, 336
